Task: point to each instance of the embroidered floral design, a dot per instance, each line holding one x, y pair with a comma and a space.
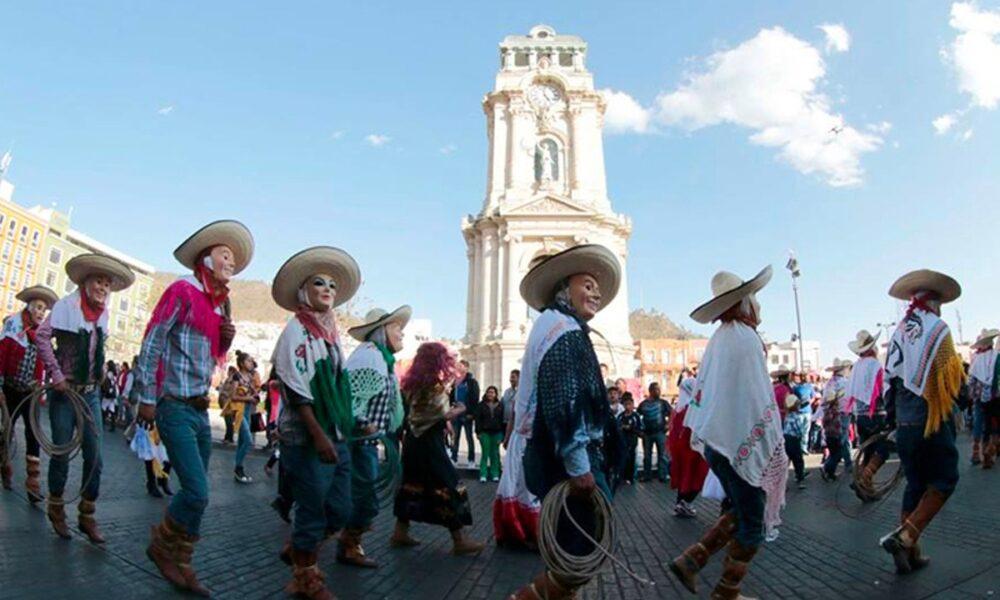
756, 434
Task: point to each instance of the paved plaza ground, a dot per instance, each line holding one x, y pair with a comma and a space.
821, 553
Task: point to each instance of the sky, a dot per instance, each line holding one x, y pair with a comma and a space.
861, 135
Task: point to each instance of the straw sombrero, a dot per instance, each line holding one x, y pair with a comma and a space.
377, 317
728, 289
781, 371
79, 268
863, 342
925, 280
38, 292
985, 339
539, 286
839, 365
312, 261
229, 233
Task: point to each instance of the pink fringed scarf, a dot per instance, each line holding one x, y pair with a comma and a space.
321, 325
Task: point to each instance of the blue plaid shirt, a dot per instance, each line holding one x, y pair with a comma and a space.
187, 360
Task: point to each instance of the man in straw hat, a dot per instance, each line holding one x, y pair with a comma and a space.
864, 397
735, 424
79, 322
186, 339
317, 421
981, 389
925, 378
836, 407
21, 369
378, 411
561, 380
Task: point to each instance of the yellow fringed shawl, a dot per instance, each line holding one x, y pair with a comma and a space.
943, 384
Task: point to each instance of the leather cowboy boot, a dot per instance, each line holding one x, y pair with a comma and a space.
184, 550
686, 566
545, 586
33, 469
989, 452
401, 536
350, 552
307, 580
463, 546
57, 516
900, 543
734, 569
915, 559
87, 522
975, 452
162, 549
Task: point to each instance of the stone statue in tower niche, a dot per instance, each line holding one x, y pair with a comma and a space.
546, 161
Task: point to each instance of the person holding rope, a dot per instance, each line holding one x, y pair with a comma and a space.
736, 425
378, 411
562, 407
926, 378
186, 340
981, 382
79, 323
864, 398
316, 425
21, 369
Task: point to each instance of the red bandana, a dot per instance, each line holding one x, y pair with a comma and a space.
91, 311
216, 292
307, 317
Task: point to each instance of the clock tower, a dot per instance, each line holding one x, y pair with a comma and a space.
545, 192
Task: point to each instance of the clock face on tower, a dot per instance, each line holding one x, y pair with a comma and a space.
544, 95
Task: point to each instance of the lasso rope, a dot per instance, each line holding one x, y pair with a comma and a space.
571, 567
390, 474
876, 493
69, 450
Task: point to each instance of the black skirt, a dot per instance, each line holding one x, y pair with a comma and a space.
431, 492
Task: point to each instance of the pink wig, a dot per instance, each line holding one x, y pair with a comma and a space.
433, 365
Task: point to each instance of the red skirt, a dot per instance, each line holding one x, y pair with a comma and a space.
513, 522
687, 468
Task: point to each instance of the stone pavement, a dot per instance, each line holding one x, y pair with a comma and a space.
821, 553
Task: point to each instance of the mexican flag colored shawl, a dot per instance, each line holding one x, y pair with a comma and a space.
734, 412
313, 369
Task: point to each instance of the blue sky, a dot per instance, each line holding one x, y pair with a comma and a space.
150, 119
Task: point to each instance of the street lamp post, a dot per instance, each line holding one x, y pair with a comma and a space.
793, 267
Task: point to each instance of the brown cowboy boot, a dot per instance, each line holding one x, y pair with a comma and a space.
57, 516
87, 522
545, 586
975, 452
686, 566
463, 546
183, 552
286, 553
734, 569
401, 536
350, 552
162, 549
900, 543
989, 453
33, 468
307, 580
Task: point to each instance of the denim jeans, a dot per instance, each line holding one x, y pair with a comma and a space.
658, 441
458, 426
245, 440
927, 462
568, 536
745, 500
322, 493
62, 421
628, 473
364, 462
793, 447
980, 420
187, 436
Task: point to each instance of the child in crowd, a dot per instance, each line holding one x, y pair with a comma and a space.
631, 426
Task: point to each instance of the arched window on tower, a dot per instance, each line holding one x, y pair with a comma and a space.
547, 163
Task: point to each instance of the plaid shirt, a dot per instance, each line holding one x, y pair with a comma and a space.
186, 355
380, 392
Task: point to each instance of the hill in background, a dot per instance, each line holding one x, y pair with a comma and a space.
654, 324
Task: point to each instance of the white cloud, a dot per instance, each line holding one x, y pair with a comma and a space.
769, 84
165, 110
377, 139
448, 149
975, 53
624, 114
837, 38
336, 135
943, 123
967, 135
881, 128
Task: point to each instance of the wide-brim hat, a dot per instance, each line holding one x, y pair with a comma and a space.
863, 342
728, 289
781, 371
38, 292
377, 317
232, 234
312, 261
926, 280
985, 338
80, 267
839, 365
539, 286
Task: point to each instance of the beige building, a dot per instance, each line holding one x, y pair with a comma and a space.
22, 236
661, 360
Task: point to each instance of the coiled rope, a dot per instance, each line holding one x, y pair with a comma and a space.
390, 473
876, 492
69, 450
570, 567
